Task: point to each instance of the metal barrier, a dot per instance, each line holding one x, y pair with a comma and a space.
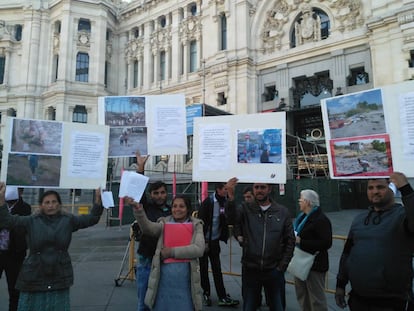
132, 261
327, 289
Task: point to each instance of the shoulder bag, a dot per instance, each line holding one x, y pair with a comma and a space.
301, 263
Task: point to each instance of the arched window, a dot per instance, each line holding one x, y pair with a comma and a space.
11, 112
312, 24
82, 67
80, 115
51, 113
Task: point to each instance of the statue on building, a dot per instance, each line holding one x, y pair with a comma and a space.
308, 26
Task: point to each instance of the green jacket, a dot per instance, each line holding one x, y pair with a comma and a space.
48, 265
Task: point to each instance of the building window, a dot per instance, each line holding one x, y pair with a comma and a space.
221, 99
58, 26
2, 68
18, 32
82, 67
358, 76
182, 60
163, 21
136, 32
306, 23
162, 65
308, 91
193, 9
108, 34
152, 74
135, 80
84, 25
55, 67
193, 56
51, 113
107, 66
270, 93
80, 114
223, 32
11, 112
411, 61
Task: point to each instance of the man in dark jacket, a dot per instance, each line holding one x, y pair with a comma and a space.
13, 247
264, 229
155, 208
377, 255
216, 217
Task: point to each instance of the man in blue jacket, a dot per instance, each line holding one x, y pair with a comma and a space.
377, 256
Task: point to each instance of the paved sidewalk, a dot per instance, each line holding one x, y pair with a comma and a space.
97, 254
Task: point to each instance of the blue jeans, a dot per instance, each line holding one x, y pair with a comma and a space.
254, 280
142, 276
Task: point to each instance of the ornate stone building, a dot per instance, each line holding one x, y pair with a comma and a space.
241, 56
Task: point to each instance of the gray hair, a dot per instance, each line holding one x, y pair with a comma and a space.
311, 196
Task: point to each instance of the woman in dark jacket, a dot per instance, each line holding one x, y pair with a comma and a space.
313, 232
47, 274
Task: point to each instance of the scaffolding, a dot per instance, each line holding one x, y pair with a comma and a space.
305, 158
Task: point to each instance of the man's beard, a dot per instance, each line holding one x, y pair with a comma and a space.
263, 200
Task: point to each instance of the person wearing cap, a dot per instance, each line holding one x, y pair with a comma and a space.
13, 244
377, 255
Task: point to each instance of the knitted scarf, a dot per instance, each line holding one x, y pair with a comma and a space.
301, 220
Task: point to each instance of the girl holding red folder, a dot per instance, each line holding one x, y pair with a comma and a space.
174, 282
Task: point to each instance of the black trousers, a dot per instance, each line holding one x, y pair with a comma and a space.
213, 254
11, 266
359, 303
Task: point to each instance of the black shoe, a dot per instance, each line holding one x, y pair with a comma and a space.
227, 302
206, 300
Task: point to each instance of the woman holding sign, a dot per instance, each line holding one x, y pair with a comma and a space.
174, 282
47, 273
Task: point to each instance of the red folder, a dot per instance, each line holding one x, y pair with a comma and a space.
177, 234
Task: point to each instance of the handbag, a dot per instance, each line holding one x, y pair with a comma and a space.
301, 263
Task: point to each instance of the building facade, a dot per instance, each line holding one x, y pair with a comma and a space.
240, 56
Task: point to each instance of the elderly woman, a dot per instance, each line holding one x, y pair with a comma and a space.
47, 273
313, 234
174, 282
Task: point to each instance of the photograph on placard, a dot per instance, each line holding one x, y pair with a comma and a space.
125, 111
361, 156
126, 140
259, 145
356, 114
33, 170
36, 136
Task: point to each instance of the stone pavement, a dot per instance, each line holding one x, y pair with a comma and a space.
97, 254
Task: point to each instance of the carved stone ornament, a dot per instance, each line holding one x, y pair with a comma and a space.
308, 27
276, 18
348, 14
83, 38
